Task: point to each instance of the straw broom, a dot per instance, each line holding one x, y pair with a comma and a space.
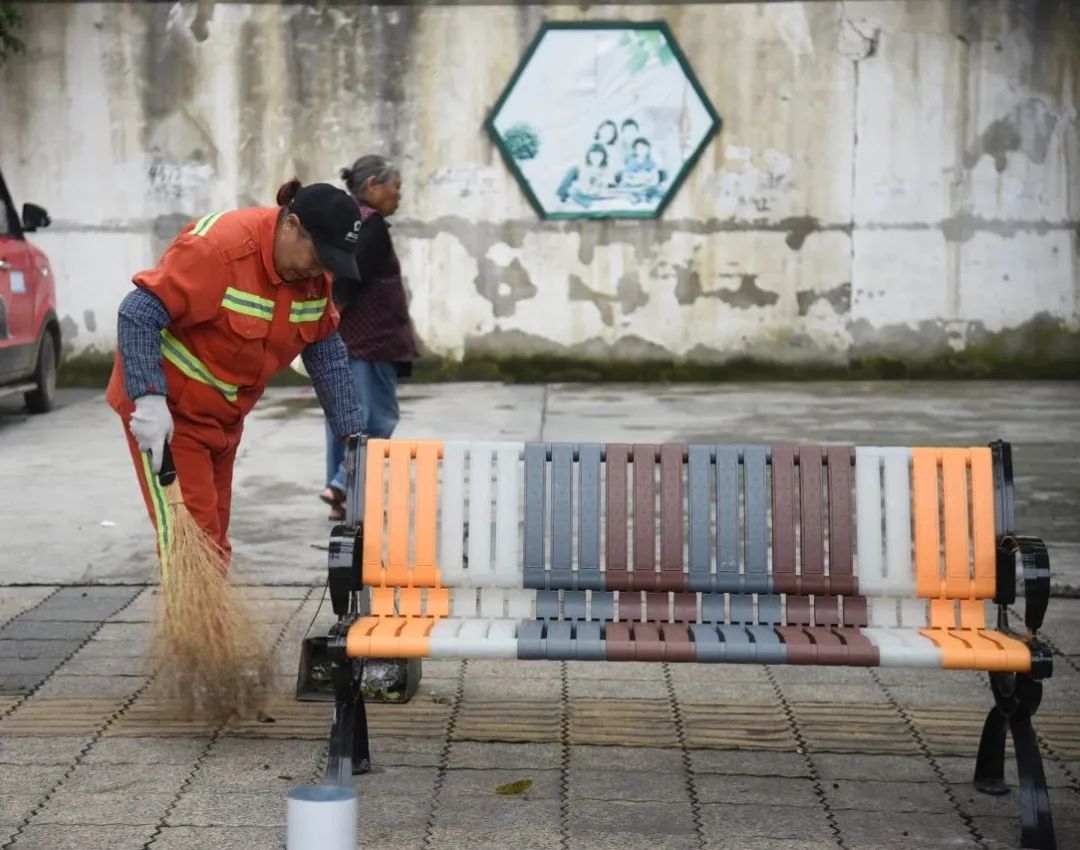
210, 653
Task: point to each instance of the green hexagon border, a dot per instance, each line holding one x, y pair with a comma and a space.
677, 181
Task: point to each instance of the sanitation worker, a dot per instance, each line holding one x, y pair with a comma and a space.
234, 299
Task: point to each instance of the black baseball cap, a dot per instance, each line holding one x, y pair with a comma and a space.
332, 219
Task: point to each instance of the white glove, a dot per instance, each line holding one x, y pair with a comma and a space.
151, 426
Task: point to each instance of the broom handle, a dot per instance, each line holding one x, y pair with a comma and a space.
168, 469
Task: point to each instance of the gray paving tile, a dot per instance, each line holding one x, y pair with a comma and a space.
412, 752
98, 778
137, 633
16, 600
114, 648
607, 817
489, 836
623, 841
99, 687
131, 806
24, 629
599, 670
646, 759
15, 807
145, 751
505, 756
749, 763
635, 786
512, 669
40, 750
833, 766
208, 808
492, 687
900, 797
835, 693
28, 666
55, 649
19, 684
755, 790
397, 782
31, 779
96, 837
903, 831
625, 688
96, 664
751, 823
477, 784
220, 838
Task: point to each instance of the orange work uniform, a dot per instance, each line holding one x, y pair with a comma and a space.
234, 324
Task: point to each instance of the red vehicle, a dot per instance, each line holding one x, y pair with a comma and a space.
29, 329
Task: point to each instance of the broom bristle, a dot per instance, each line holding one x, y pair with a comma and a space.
211, 655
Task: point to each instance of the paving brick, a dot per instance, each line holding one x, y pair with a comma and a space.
903, 831
607, 817
146, 751
209, 808
755, 790
833, 766
22, 629
221, 838
15, 807
477, 784
56, 649
31, 750
867, 795
505, 756
96, 837
130, 806
19, 684
31, 779
626, 785
102, 687
748, 763
650, 759
751, 823
98, 778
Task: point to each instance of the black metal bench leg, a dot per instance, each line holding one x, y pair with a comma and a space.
990, 764
339, 761
361, 753
1036, 822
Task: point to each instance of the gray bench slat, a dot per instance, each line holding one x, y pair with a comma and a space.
562, 512
589, 575
535, 513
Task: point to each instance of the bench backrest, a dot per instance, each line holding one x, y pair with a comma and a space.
836, 535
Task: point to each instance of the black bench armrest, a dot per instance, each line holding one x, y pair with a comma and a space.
345, 576
1035, 568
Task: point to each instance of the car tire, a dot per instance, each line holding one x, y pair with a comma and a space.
42, 399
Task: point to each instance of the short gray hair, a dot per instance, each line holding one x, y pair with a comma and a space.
365, 168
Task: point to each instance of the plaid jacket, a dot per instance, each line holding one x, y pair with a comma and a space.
375, 321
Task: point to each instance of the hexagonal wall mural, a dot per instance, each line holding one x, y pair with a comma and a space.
602, 120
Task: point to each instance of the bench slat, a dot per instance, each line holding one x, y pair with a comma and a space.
644, 574
535, 514
783, 517
616, 556
589, 575
841, 562
562, 513
811, 522
452, 514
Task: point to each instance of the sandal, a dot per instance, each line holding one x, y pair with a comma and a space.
332, 495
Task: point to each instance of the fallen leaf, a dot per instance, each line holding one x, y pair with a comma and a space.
519, 787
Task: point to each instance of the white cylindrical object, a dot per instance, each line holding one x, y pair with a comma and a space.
322, 817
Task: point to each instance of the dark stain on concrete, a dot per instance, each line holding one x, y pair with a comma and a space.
1027, 128
748, 294
69, 329
688, 287
629, 296
90, 320
204, 13
798, 228
839, 298
168, 66
164, 230
504, 286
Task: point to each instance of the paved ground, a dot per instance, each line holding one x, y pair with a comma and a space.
620, 755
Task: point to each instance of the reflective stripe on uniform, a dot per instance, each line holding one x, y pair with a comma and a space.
250, 305
203, 225
162, 511
307, 311
177, 353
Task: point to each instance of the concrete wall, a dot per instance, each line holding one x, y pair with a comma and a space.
895, 178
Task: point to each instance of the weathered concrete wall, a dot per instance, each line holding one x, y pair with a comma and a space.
896, 178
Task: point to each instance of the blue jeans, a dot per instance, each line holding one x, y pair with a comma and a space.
376, 390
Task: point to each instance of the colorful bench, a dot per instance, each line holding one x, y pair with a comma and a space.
828, 555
